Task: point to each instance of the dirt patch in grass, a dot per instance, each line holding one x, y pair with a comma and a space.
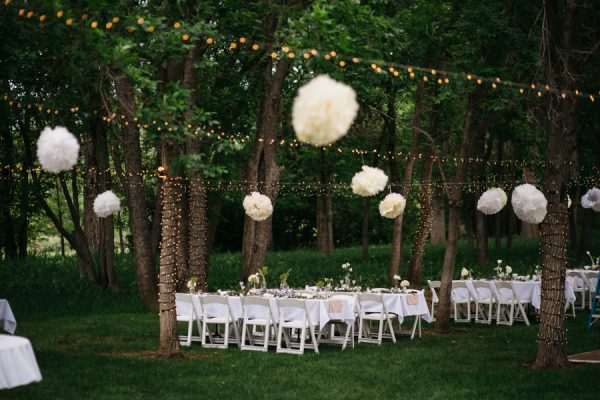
154, 355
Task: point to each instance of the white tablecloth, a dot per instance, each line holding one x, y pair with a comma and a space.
7, 318
528, 291
397, 303
17, 362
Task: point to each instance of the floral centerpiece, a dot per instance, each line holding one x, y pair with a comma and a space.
283, 279
594, 264
404, 285
191, 284
465, 274
348, 271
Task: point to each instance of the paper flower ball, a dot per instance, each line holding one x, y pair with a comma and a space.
106, 204
392, 205
57, 149
591, 199
529, 203
258, 206
492, 201
369, 181
323, 111
569, 202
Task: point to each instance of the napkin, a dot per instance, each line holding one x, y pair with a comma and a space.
412, 299
336, 305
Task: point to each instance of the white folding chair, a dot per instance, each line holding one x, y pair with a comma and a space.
348, 332
461, 296
257, 313
217, 311
187, 311
372, 307
580, 287
293, 314
433, 285
508, 298
484, 299
591, 279
570, 303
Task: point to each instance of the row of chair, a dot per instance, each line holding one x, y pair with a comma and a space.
499, 301
584, 286
283, 323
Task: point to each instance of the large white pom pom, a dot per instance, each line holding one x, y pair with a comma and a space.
392, 205
369, 181
492, 201
106, 204
323, 111
57, 149
591, 199
529, 203
258, 206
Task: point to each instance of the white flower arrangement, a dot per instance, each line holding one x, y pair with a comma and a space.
464, 273
57, 149
404, 284
508, 270
397, 278
591, 199
492, 201
258, 206
254, 279
191, 283
369, 181
323, 111
346, 265
106, 204
392, 205
529, 203
594, 264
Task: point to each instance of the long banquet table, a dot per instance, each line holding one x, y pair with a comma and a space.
526, 290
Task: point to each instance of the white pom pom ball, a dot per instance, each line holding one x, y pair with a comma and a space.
57, 149
369, 181
392, 205
492, 201
529, 203
106, 204
258, 206
591, 199
323, 111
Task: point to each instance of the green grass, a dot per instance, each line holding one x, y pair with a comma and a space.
91, 344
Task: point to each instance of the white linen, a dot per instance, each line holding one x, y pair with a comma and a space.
396, 303
7, 318
526, 291
17, 362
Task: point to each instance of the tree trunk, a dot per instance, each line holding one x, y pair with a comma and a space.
417, 251
561, 66
324, 209
136, 198
23, 225
396, 259
91, 223
365, 228
263, 166
215, 204
469, 138
438, 223
6, 193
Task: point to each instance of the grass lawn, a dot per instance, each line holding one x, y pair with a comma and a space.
96, 345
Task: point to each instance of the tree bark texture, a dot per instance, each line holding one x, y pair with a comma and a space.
324, 209
438, 224
136, 198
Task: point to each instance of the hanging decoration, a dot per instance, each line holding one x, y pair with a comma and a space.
323, 111
529, 203
106, 204
57, 149
569, 202
492, 201
258, 206
369, 181
392, 205
591, 199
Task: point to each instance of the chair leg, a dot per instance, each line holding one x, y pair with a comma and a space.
314, 340
279, 334
391, 326
380, 334
302, 339
360, 329
267, 332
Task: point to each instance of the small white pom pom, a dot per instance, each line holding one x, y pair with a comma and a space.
392, 205
258, 206
369, 181
492, 201
106, 204
57, 149
529, 203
